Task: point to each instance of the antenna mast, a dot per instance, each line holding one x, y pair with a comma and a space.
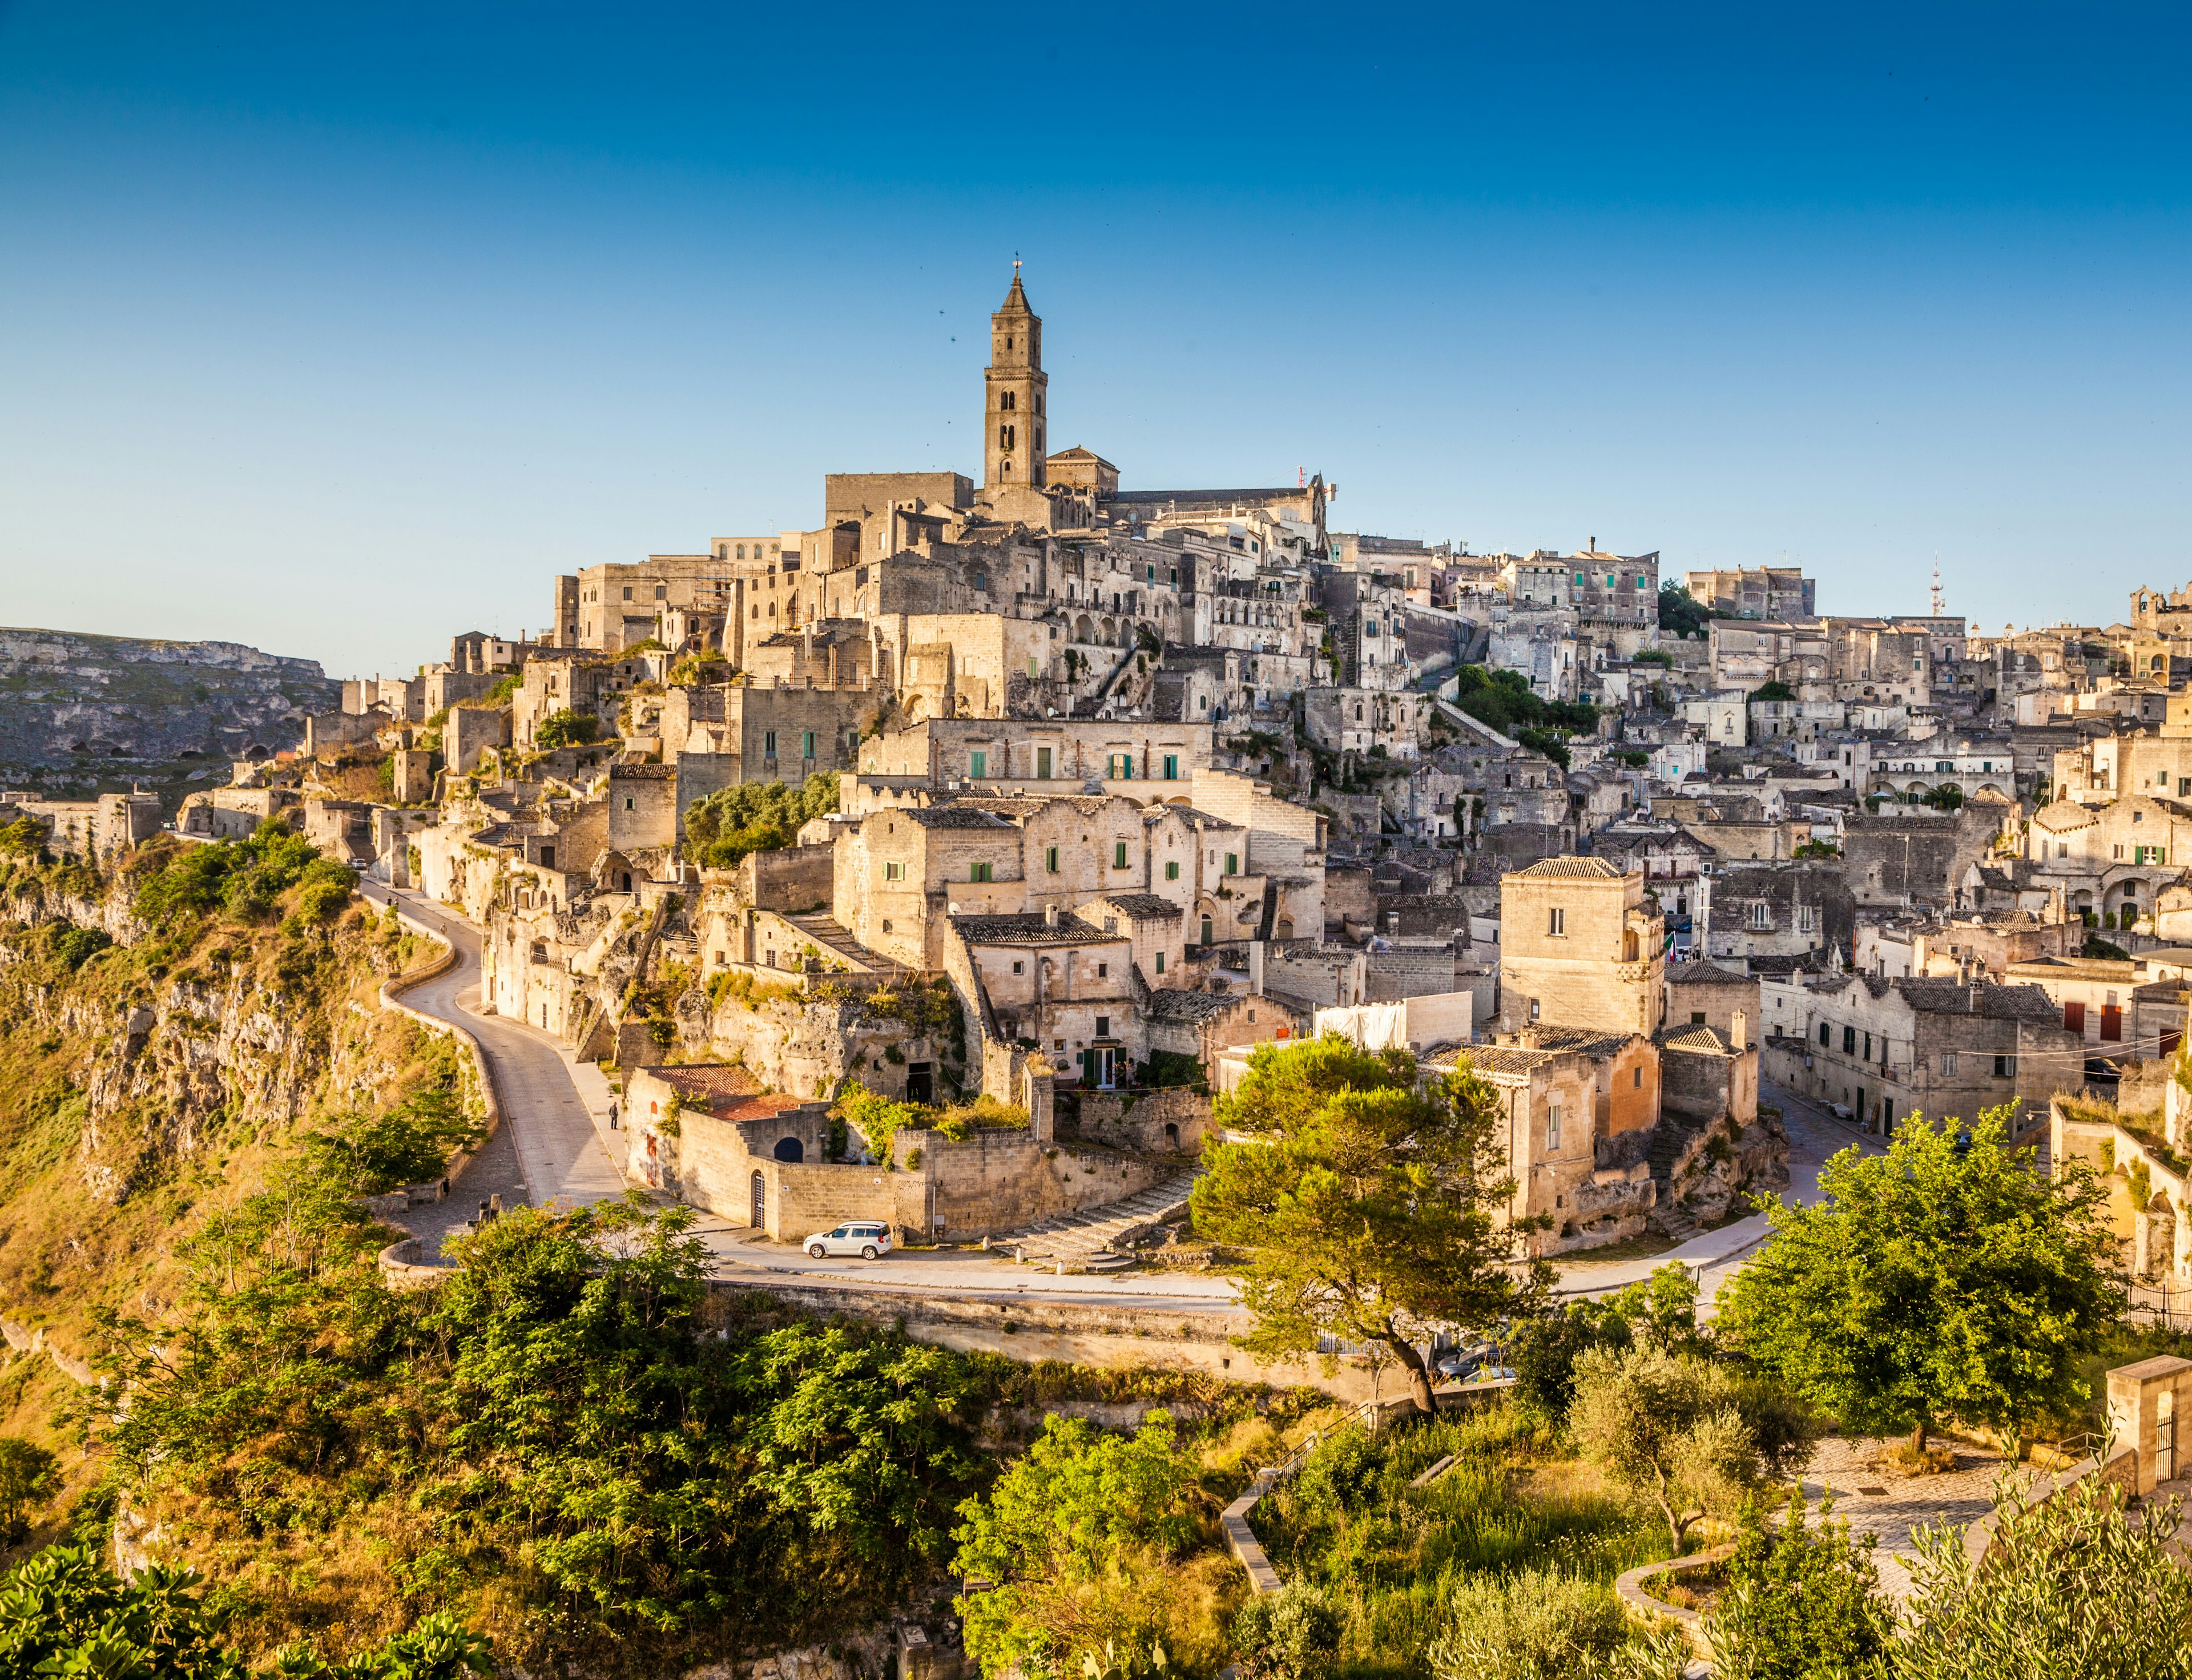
1937, 586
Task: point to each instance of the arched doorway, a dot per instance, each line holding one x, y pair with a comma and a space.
789, 1149
760, 1199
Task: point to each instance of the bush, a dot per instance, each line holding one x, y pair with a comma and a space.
1292, 1634
28, 1472
1800, 1604
1532, 1624
64, 1613
73, 947
566, 728
721, 829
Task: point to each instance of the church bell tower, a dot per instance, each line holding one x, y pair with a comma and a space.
1014, 385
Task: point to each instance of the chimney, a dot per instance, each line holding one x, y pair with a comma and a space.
1050, 916
1739, 1030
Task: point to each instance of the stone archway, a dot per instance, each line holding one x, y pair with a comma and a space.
790, 1149
1084, 632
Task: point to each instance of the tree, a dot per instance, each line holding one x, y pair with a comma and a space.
1801, 1602
1680, 1434
1660, 1312
25, 837
2075, 1585
1535, 1624
1775, 689
1071, 1542
722, 829
1374, 1205
1681, 613
27, 1474
1931, 1283
566, 728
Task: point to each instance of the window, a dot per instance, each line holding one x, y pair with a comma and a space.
627, 592
1824, 1030
1552, 1127
1762, 916
807, 744
1172, 871
1533, 1008
1232, 863
1103, 1026
1118, 854
1172, 767
768, 743
1050, 859
1042, 763
979, 871
1948, 1061
1556, 924
1849, 1041
1160, 962
893, 872
1103, 971
2005, 1067
1019, 968
1636, 1078
1698, 1019
660, 592
630, 803
978, 762
1803, 919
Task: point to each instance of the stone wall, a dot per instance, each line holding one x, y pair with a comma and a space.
1170, 1122
1392, 975
1704, 1085
999, 1180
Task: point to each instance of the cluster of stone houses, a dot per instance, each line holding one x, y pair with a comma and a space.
1131, 781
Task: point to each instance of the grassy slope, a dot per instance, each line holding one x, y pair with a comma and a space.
66, 1252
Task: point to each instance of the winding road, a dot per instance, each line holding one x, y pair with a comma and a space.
554, 1143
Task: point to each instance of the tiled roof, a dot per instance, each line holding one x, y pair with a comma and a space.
1590, 869
1029, 804
1702, 972
716, 1086
1590, 1040
1494, 1059
1697, 1039
1189, 1006
642, 773
1143, 907
1028, 930
958, 815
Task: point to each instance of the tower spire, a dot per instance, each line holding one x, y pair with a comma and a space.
1014, 391
1937, 586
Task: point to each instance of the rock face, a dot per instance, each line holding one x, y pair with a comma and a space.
81, 710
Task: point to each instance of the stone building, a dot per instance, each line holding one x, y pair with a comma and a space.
1886, 1048
1580, 945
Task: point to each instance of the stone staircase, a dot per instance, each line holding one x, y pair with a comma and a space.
1086, 1240
832, 937
1668, 1144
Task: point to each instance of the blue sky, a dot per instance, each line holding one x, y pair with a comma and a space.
338, 330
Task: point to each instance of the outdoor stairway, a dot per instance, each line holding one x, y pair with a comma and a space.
1082, 1241
832, 937
1668, 1143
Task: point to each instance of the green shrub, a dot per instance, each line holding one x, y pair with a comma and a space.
566, 728
1292, 1634
1799, 1603
726, 825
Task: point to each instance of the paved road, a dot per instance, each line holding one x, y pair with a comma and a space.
554, 1144
1814, 1136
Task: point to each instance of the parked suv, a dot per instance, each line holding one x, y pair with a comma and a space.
867, 1241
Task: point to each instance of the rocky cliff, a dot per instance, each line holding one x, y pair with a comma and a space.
86, 713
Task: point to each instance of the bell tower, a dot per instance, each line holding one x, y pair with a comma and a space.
1014, 386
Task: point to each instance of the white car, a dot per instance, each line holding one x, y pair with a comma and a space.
868, 1240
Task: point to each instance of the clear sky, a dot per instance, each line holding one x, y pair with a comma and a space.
338, 330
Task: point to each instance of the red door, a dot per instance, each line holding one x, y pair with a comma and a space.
2074, 1018
2111, 1022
